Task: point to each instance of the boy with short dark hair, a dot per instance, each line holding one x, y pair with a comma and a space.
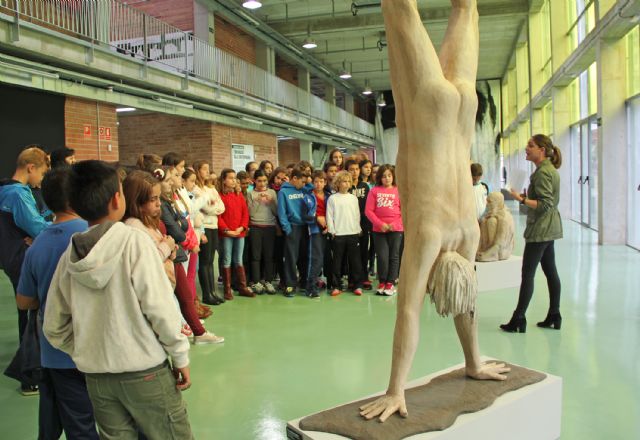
110, 308
64, 401
290, 201
360, 189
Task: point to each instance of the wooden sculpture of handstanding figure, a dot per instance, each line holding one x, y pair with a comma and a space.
436, 104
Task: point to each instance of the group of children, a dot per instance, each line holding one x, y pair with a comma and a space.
303, 223
114, 255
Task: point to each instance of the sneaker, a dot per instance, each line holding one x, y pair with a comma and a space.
312, 295
289, 292
207, 338
336, 292
357, 291
268, 287
257, 288
389, 289
29, 390
380, 289
367, 285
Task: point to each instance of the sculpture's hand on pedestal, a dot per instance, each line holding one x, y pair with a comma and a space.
384, 407
488, 371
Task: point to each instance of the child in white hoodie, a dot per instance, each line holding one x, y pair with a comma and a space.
343, 223
110, 308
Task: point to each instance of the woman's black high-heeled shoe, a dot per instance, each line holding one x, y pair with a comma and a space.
518, 325
553, 320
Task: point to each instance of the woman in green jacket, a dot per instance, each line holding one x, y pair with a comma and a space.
544, 226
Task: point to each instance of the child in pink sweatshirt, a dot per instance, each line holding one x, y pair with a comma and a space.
383, 210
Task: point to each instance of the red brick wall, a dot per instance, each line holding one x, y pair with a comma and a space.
78, 114
264, 144
286, 71
178, 13
288, 152
235, 41
159, 133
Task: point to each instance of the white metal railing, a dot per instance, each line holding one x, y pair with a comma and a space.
133, 33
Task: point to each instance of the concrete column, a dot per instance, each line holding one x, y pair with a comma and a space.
562, 138
330, 93
348, 103
612, 142
201, 21
265, 57
306, 151
537, 121
560, 41
304, 79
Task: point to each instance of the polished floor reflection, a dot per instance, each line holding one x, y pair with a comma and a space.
285, 358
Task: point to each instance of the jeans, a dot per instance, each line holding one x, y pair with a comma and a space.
316, 260
388, 251
233, 247
295, 255
65, 405
347, 246
534, 253
262, 247
145, 400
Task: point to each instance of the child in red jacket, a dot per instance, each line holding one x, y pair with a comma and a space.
232, 229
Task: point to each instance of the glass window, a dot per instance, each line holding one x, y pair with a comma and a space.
582, 19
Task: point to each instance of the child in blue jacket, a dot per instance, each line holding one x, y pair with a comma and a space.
290, 202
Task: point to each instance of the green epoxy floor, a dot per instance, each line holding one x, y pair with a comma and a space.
286, 358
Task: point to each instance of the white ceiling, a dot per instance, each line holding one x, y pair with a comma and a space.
343, 37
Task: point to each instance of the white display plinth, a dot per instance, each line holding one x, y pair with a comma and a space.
496, 275
530, 413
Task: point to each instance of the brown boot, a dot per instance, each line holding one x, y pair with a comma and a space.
243, 290
203, 311
226, 280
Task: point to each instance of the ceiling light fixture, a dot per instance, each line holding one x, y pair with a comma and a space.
367, 88
380, 101
309, 43
252, 4
344, 73
125, 109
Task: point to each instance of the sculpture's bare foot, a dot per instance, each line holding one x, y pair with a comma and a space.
385, 405
488, 371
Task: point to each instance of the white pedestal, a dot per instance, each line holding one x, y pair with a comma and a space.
496, 275
530, 413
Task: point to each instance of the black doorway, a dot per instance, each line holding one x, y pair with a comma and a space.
28, 117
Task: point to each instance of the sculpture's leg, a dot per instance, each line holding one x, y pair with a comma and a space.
459, 50
412, 58
459, 61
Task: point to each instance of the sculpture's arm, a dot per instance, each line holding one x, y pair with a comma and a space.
422, 249
460, 47
412, 57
